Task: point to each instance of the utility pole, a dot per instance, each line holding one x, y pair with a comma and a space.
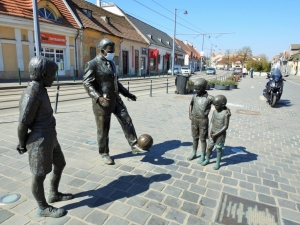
37, 36
198, 34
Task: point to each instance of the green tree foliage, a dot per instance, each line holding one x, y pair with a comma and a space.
259, 66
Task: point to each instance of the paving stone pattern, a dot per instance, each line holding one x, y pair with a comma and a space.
162, 187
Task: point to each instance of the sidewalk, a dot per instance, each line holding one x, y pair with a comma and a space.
162, 187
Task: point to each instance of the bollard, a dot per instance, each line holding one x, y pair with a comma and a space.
57, 76
19, 76
167, 86
74, 75
151, 89
128, 91
56, 99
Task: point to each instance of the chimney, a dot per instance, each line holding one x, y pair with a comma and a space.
98, 3
185, 42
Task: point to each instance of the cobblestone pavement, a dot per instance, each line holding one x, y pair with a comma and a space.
162, 187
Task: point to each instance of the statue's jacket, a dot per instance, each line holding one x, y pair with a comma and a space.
100, 80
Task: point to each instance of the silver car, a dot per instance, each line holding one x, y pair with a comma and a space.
176, 71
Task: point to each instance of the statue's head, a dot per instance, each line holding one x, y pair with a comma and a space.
200, 85
107, 48
219, 102
43, 70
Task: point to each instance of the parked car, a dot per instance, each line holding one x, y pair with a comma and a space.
186, 70
237, 70
176, 71
210, 70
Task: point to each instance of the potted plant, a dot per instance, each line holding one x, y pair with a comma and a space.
222, 85
233, 85
190, 86
212, 83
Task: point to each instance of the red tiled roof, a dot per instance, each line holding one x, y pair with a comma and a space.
196, 54
183, 46
23, 8
117, 25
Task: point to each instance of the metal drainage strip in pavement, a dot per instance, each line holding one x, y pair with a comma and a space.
90, 142
247, 112
234, 210
8, 199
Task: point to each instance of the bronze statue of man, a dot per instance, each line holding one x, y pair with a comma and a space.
102, 85
198, 112
36, 115
219, 125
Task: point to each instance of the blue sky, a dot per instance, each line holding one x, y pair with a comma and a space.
268, 27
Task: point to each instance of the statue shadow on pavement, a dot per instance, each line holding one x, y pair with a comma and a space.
232, 158
120, 189
155, 155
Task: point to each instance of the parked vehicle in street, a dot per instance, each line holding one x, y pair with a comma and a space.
176, 71
274, 87
186, 70
237, 70
210, 70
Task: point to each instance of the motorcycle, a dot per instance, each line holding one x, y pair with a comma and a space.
274, 87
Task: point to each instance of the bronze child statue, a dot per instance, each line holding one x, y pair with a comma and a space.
198, 112
219, 125
36, 115
101, 83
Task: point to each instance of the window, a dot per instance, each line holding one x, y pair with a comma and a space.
87, 12
48, 14
56, 55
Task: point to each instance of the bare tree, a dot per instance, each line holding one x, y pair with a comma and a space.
245, 53
227, 56
263, 57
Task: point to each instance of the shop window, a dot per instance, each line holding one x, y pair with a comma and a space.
87, 12
56, 55
48, 14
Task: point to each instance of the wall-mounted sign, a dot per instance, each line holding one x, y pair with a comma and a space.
53, 39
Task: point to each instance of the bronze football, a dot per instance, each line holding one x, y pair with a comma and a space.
145, 141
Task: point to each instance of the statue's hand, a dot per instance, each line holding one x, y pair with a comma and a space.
103, 101
212, 135
132, 97
21, 150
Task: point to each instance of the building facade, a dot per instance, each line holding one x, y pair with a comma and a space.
58, 30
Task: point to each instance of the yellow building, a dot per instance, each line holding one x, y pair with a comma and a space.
59, 31
99, 23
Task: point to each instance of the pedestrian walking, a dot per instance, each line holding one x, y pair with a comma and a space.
244, 72
251, 72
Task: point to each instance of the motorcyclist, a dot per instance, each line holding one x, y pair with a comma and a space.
274, 75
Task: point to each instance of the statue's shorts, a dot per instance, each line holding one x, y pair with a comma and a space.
44, 151
200, 128
217, 142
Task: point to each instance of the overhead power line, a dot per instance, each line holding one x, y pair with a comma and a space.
164, 15
177, 16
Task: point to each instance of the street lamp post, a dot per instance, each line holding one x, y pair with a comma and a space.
36, 28
173, 47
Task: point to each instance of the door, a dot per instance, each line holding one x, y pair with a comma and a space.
56, 55
125, 62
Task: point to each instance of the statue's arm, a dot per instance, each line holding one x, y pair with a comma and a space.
22, 134
89, 83
123, 90
191, 108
